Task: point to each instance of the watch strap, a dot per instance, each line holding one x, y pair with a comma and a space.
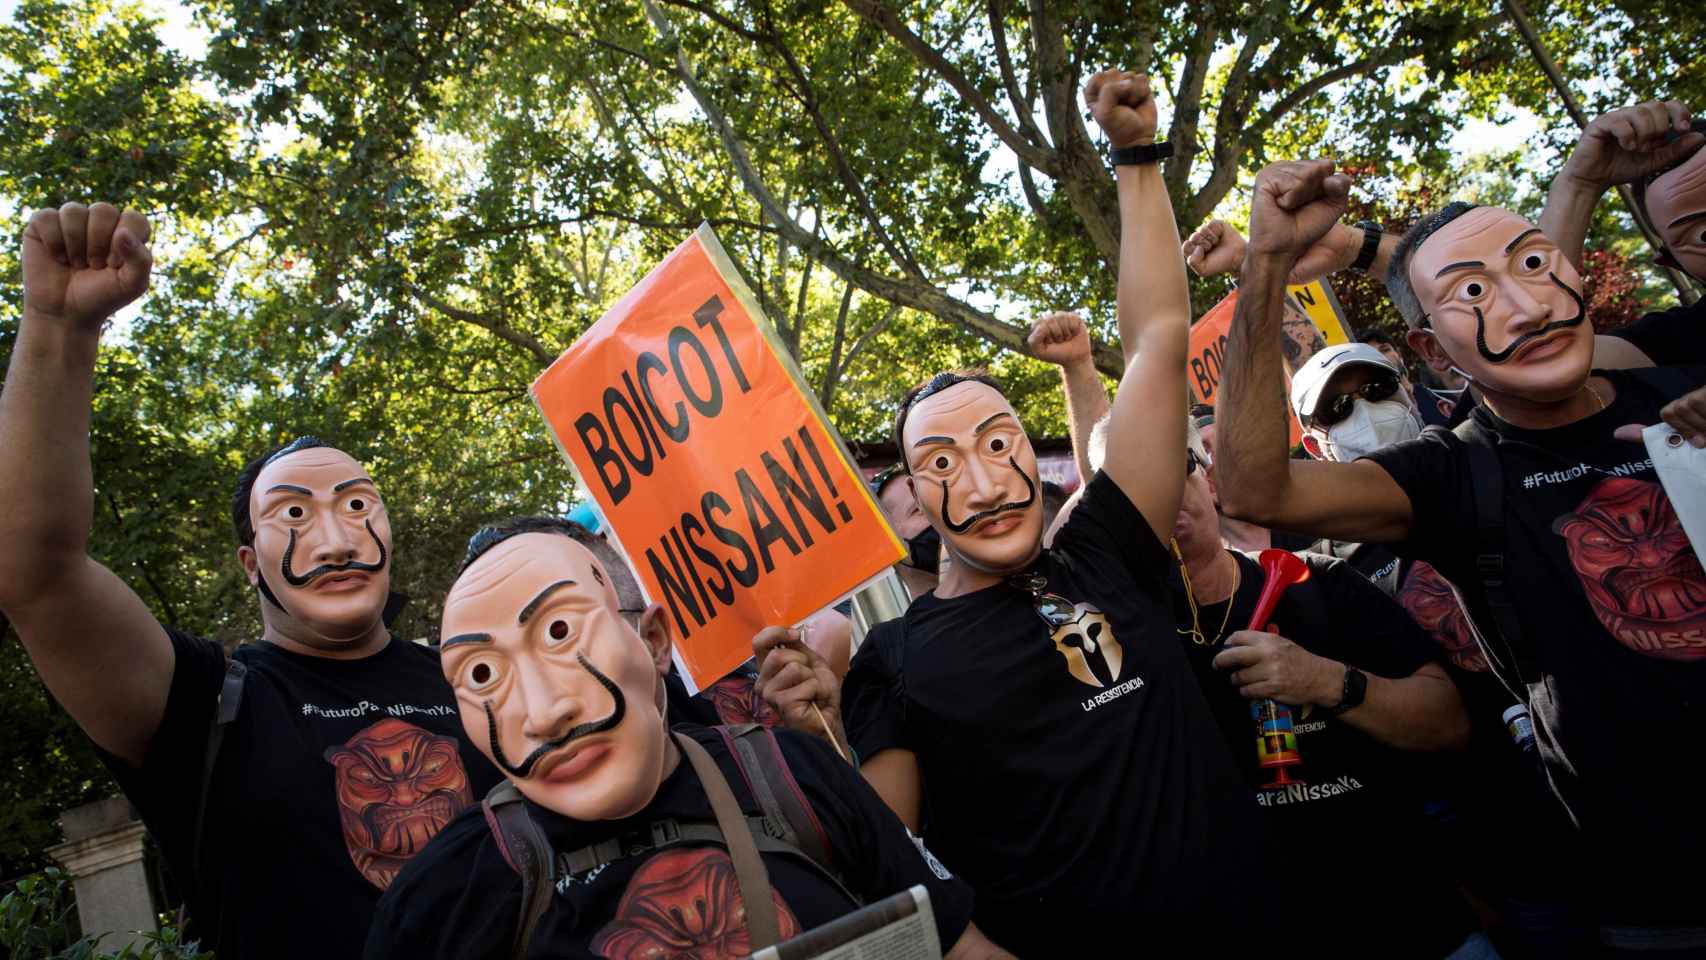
1371, 233
1143, 153
1355, 690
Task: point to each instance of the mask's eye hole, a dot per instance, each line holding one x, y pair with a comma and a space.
1533, 261
997, 445
941, 463
558, 630
295, 513
358, 504
1472, 290
481, 674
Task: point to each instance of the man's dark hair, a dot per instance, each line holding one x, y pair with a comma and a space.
1202, 414
930, 388
1398, 285
240, 518
1376, 335
487, 537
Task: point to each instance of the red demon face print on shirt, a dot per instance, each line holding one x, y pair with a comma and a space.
684, 904
737, 701
1640, 573
1427, 598
398, 785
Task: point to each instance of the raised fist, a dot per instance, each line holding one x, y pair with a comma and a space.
1060, 338
1123, 106
81, 264
1215, 248
1294, 205
1625, 145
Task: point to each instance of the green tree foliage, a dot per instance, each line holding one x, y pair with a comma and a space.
377, 221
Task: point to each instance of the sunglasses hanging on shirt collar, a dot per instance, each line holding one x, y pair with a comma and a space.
1055, 610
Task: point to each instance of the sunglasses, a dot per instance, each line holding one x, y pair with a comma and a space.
1338, 408
1052, 609
1193, 463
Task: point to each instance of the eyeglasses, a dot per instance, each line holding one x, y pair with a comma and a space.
1193, 463
1338, 408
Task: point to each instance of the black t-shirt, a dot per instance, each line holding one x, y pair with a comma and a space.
1671, 337
460, 900
1355, 865
1074, 776
333, 775
1612, 600
1374, 561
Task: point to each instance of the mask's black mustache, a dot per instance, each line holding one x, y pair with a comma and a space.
971, 521
1517, 344
575, 733
299, 580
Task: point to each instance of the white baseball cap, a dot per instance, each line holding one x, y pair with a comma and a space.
1307, 385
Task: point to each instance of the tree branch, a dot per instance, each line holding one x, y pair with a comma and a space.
910, 292
498, 328
1022, 108
832, 373
873, 10
1079, 171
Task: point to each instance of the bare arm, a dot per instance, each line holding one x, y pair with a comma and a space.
1618, 147
973, 945
1146, 427
1256, 478
893, 773
98, 649
1064, 340
1217, 248
1422, 711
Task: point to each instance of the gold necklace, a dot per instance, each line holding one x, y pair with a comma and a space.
1195, 632
1596, 397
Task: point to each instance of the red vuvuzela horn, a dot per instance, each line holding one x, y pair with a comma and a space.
1283, 568
1276, 741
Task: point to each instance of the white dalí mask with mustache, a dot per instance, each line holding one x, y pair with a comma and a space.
1370, 427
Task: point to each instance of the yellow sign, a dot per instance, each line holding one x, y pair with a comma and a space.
1323, 308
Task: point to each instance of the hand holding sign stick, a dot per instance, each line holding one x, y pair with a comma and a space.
794, 679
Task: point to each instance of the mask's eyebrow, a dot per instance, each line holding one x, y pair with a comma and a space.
1459, 265
925, 441
1531, 231
533, 605
1687, 218
290, 488
466, 638
364, 481
982, 426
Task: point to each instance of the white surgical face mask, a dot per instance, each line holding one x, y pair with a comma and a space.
1370, 427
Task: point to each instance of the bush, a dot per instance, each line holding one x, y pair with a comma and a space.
37, 922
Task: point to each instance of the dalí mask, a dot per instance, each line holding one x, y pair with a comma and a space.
551, 682
322, 541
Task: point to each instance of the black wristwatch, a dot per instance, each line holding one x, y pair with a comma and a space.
1356, 688
1370, 245
1140, 154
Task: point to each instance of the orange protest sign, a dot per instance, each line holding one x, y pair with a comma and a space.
716, 470
1205, 364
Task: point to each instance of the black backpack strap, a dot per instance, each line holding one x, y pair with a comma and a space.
527, 851
224, 714
772, 784
661, 834
1504, 641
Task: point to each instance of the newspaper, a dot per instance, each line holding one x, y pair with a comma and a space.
1681, 467
902, 927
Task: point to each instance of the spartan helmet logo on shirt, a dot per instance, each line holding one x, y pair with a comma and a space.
1641, 576
1087, 642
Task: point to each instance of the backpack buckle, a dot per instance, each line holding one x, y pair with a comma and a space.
664, 833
